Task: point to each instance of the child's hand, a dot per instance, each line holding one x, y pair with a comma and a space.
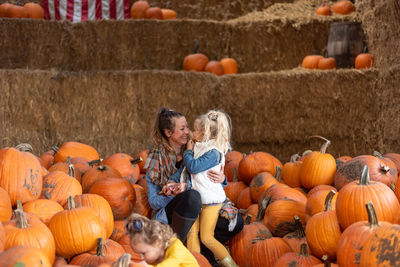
190, 144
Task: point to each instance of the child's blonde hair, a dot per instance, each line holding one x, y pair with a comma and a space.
150, 231
216, 125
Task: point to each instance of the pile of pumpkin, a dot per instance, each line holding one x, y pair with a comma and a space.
316, 208
67, 206
142, 10
29, 10
200, 62
362, 61
342, 7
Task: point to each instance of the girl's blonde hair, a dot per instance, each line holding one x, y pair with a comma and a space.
150, 231
216, 125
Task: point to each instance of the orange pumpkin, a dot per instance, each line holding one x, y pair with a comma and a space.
34, 10
75, 149
76, 230
3, 9
233, 190
232, 160
343, 7
327, 63
250, 213
125, 242
125, 164
281, 192
58, 186
153, 13
262, 182
201, 260
15, 11
138, 9
311, 61
267, 251
2, 237
195, 61
20, 175
354, 237
168, 13
323, 231
22, 232
68, 168
341, 160
5, 206
44, 208
118, 192
324, 10
142, 205
119, 230
364, 61
97, 173
318, 167
100, 206
143, 155
46, 159
244, 199
352, 198
26, 255
297, 238
291, 171
214, 67
253, 164
229, 65
395, 157
301, 258
316, 202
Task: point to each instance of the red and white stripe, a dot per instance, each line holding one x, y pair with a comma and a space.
83, 10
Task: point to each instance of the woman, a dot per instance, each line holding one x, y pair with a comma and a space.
172, 200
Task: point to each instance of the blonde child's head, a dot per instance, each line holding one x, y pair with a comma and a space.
149, 238
215, 125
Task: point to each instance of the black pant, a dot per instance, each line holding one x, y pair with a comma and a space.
188, 204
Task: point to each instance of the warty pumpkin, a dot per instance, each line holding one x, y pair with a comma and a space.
302, 258
125, 164
253, 164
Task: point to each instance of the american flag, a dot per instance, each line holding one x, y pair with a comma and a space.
83, 10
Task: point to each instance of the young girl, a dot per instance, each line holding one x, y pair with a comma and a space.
157, 243
212, 132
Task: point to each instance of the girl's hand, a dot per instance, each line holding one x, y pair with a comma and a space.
190, 144
217, 176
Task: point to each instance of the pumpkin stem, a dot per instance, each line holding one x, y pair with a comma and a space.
123, 261
196, 46
261, 210
377, 154
243, 211
23, 147
94, 162
258, 238
303, 249
248, 219
19, 205
294, 157
364, 180
20, 218
71, 170
55, 149
100, 247
235, 176
136, 161
278, 173
299, 227
326, 261
68, 160
324, 146
328, 200
102, 168
306, 152
372, 218
71, 203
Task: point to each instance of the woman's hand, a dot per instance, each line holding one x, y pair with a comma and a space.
168, 189
190, 144
179, 188
216, 176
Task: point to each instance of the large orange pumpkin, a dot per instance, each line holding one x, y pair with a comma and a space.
76, 230
316, 202
364, 61
232, 160
118, 192
20, 175
262, 182
34, 10
354, 238
75, 149
297, 238
68, 168
97, 173
195, 61
233, 190
125, 164
253, 164
302, 258
229, 65
318, 167
244, 199
2, 237
323, 231
100, 206
26, 255
138, 9
343, 7
266, 251
352, 199
44, 208
22, 232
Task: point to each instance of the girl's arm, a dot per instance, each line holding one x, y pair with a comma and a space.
206, 161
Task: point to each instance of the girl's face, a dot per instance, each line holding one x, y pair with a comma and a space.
198, 132
150, 253
180, 133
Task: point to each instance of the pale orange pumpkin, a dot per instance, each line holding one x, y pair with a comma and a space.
76, 230
5, 206
29, 256
43, 208
75, 149
318, 167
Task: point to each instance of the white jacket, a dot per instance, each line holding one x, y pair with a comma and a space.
210, 192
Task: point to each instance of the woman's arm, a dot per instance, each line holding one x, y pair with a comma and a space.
156, 200
206, 161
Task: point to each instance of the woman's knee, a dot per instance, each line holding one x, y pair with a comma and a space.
190, 202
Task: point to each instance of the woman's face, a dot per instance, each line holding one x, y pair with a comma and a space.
180, 134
